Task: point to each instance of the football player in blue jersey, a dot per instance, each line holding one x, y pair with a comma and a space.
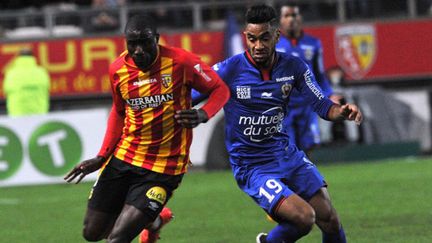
266, 165
301, 122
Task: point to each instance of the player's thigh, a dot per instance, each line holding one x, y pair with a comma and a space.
129, 224
97, 224
281, 203
323, 207
150, 191
105, 201
296, 210
111, 188
107, 197
267, 190
302, 176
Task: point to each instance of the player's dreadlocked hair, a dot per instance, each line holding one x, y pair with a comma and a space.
259, 14
141, 22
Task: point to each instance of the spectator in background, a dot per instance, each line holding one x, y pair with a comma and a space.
359, 8
26, 86
336, 76
104, 20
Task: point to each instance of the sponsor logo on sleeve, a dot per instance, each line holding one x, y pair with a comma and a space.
307, 76
202, 73
216, 67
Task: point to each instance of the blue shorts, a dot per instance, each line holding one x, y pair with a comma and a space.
268, 183
301, 124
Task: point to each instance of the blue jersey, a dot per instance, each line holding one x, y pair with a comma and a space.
309, 49
258, 104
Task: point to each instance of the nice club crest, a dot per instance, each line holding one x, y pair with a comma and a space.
356, 49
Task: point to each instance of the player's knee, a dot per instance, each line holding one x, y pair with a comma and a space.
330, 223
90, 234
334, 223
118, 238
305, 221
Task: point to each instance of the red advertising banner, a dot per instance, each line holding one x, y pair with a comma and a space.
80, 66
378, 51
367, 52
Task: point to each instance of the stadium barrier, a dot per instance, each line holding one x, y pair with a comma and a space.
41, 149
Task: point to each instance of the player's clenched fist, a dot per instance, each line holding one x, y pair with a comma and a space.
191, 118
352, 113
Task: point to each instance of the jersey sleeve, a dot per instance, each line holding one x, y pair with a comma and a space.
198, 97
219, 68
318, 70
309, 88
206, 81
115, 122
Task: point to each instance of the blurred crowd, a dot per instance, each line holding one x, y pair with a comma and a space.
94, 16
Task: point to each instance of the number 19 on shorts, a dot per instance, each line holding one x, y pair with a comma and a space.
270, 190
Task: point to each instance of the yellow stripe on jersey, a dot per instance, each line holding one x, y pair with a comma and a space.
147, 116
180, 159
168, 113
124, 91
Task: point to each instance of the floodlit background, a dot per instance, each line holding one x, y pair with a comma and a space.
379, 173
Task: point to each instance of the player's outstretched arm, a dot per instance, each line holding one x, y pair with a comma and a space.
112, 136
84, 168
345, 112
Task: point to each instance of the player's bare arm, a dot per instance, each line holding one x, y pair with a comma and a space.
84, 168
191, 118
345, 112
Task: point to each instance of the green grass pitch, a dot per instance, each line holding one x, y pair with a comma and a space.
379, 201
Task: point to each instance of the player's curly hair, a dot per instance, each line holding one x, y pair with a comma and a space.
141, 22
261, 13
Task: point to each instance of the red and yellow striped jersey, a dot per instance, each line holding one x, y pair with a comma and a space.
151, 138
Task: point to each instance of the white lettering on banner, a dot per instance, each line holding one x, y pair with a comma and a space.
3, 164
53, 142
259, 128
311, 85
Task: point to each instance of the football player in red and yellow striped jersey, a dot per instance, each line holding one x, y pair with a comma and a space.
145, 151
